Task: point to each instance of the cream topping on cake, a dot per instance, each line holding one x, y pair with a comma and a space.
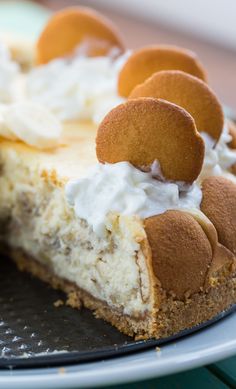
121, 188
218, 159
80, 87
77, 88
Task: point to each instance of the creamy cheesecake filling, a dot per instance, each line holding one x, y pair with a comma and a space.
35, 217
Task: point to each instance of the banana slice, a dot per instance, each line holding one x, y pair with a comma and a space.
32, 124
4, 131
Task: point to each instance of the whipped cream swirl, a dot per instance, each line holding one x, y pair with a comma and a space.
217, 160
77, 88
9, 71
121, 188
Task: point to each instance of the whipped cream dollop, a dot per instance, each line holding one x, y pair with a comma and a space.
77, 88
9, 72
121, 188
30, 123
217, 159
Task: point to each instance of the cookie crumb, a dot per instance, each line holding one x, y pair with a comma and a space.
58, 303
61, 370
73, 300
158, 349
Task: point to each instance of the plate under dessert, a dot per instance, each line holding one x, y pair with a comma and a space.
146, 239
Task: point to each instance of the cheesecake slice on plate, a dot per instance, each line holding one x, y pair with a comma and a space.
134, 218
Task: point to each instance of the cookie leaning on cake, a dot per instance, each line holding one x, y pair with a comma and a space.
164, 182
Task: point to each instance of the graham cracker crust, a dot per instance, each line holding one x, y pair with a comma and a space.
172, 316
77, 297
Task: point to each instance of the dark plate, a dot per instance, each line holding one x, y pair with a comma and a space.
34, 333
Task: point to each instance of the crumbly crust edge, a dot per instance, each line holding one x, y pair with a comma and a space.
171, 317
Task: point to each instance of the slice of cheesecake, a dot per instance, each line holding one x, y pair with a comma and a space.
149, 278
141, 230
113, 275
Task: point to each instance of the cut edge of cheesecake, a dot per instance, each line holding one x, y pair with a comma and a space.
168, 318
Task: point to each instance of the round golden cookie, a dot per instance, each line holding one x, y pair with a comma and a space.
144, 130
232, 143
219, 205
233, 169
181, 252
222, 257
232, 132
77, 28
189, 92
151, 59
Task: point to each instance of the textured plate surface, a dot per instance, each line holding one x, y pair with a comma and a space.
33, 332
